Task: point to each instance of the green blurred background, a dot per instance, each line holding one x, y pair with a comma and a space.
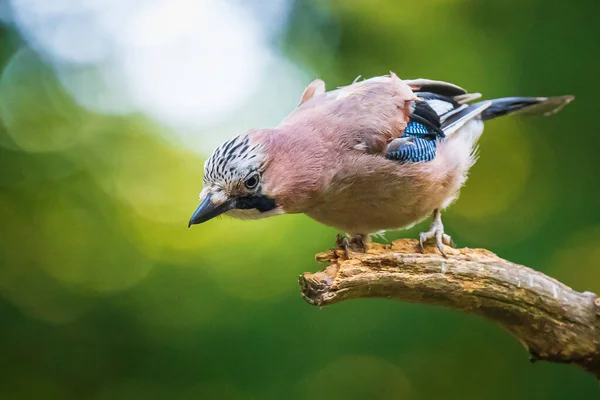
108, 110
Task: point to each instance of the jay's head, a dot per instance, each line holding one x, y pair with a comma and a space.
234, 182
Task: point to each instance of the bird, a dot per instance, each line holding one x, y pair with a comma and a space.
379, 154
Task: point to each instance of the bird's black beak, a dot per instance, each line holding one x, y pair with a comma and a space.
207, 210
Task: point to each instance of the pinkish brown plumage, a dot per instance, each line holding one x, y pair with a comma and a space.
346, 158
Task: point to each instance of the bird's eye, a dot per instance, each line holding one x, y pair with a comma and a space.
252, 182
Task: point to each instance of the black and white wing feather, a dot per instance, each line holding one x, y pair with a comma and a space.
438, 112
442, 109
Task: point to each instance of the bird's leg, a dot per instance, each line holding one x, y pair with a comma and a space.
359, 242
356, 243
436, 231
342, 242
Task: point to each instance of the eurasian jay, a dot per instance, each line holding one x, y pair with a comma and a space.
378, 154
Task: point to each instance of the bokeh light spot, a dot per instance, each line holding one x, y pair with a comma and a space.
37, 113
82, 246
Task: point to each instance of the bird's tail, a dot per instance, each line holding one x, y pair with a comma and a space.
455, 119
525, 106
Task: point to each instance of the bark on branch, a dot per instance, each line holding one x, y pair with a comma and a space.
553, 322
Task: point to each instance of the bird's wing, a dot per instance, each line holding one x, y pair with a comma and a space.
452, 110
458, 119
379, 115
448, 100
439, 111
418, 142
439, 87
364, 116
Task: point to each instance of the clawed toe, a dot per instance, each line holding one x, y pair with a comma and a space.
440, 237
448, 241
355, 243
436, 232
341, 242
423, 237
358, 243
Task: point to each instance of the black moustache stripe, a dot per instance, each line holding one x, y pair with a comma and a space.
261, 203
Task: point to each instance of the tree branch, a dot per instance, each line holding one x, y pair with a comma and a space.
553, 322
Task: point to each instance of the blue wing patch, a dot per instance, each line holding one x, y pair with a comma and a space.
415, 145
411, 149
416, 129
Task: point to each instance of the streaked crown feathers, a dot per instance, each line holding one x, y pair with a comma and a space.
233, 160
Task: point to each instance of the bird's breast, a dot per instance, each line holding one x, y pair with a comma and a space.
371, 194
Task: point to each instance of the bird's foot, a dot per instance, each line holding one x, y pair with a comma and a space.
436, 232
356, 243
